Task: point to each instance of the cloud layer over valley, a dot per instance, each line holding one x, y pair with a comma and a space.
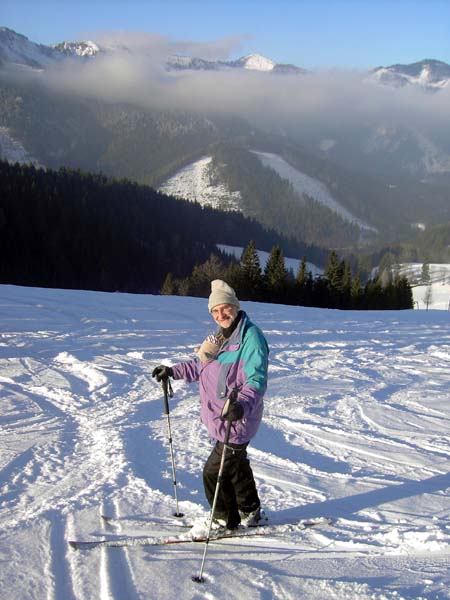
132, 68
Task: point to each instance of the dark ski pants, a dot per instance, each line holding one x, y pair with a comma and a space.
237, 489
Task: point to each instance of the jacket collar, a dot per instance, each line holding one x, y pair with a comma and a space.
236, 336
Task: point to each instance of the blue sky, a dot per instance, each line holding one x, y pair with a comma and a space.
350, 34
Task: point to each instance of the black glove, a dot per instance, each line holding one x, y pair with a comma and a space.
232, 411
162, 373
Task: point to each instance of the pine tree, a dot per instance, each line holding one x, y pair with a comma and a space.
425, 277
168, 287
332, 269
338, 274
275, 275
301, 275
251, 279
385, 269
356, 293
346, 285
301, 282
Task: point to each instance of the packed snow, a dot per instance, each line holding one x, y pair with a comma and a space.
355, 428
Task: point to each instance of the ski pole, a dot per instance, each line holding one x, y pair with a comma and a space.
167, 389
199, 578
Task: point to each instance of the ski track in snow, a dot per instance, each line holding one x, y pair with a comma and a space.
355, 427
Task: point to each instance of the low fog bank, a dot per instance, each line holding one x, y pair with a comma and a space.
132, 68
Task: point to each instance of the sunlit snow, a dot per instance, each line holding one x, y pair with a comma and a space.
193, 183
355, 428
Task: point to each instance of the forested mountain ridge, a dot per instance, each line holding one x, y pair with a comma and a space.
71, 229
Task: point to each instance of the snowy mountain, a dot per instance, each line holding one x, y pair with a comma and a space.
355, 428
82, 49
16, 50
253, 62
429, 74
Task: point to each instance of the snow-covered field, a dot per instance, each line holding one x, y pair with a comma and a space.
437, 292
355, 428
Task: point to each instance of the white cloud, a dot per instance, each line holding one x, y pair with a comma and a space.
133, 70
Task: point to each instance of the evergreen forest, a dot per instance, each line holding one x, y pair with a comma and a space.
336, 288
69, 229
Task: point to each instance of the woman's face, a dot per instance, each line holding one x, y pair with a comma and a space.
224, 314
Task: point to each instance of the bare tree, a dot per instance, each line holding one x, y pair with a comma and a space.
428, 296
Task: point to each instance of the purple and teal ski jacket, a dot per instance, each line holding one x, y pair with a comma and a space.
241, 364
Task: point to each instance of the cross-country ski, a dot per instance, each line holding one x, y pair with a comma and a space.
263, 530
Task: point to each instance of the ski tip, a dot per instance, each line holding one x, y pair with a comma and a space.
198, 579
73, 544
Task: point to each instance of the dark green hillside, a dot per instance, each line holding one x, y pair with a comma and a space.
433, 244
272, 201
70, 229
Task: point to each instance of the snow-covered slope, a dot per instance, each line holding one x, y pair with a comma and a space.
257, 62
428, 74
13, 150
83, 49
195, 183
304, 184
18, 51
355, 427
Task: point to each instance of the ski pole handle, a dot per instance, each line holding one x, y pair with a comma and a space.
227, 433
166, 396
167, 389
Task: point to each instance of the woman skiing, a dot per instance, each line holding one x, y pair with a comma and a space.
231, 364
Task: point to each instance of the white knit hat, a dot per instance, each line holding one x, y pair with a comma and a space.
221, 293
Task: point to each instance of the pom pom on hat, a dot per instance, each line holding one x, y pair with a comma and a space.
221, 293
